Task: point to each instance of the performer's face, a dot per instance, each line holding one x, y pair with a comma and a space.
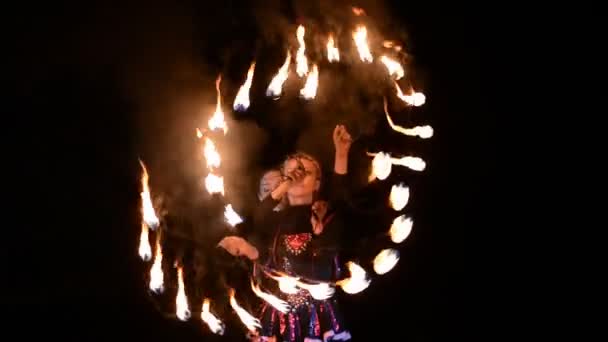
307, 185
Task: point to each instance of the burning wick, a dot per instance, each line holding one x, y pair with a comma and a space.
276, 85
423, 132
217, 120
148, 210
249, 321
241, 102
416, 99
401, 228
360, 38
215, 325
277, 303
145, 251
312, 82
231, 217
394, 68
333, 55
156, 272
181, 301
301, 61
399, 197
385, 261
357, 281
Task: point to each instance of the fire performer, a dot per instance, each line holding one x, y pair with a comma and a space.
303, 233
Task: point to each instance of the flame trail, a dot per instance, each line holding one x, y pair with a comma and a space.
360, 38
215, 325
413, 163
394, 68
217, 120
231, 217
277, 303
214, 184
276, 85
386, 260
241, 102
312, 82
211, 154
333, 55
416, 99
182, 310
301, 61
156, 272
248, 320
149, 215
199, 134
145, 251
287, 284
401, 228
423, 132
399, 197
320, 291
357, 281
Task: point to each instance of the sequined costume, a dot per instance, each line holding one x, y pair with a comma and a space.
296, 251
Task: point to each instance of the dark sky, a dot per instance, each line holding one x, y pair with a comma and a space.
95, 88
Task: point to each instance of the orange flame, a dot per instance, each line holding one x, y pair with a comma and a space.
215, 325
217, 120
214, 184
211, 155
357, 281
145, 251
156, 272
399, 197
394, 68
320, 291
231, 217
312, 83
415, 99
401, 228
423, 132
199, 134
276, 85
333, 55
241, 102
360, 38
182, 310
248, 320
277, 303
301, 61
413, 163
381, 166
386, 260
149, 215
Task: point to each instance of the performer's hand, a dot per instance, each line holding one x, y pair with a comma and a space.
319, 209
342, 140
238, 246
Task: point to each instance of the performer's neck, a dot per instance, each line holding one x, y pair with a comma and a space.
300, 200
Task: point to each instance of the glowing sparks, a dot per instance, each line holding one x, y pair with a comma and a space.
333, 55
357, 281
214, 184
241, 102
217, 120
182, 311
399, 197
277, 303
360, 38
413, 163
381, 166
276, 85
394, 68
211, 155
301, 60
231, 217
215, 325
149, 215
415, 99
386, 260
401, 228
312, 83
145, 251
320, 291
156, 272
249, 321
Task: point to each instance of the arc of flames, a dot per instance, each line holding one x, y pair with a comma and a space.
312, 83
276, 85
241, 102
277, 303
401, 228
333, 54
423, 132
145, 251
149, 215
182, 311
394, 68
215, 325
357, 281
156, 272
301, 60
360, 38
248, 320
386, 260
217, 120
231, 217
415, 99
399, 197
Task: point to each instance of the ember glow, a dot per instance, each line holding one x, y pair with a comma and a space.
276, 85
401, 228
149, 215
357, 281
217, 120
301, 60
214, 184
386, 260
333, 55
215, 325
312, 83
145, 251
277, 303
182, 311
231, 217
241, 102
381, 166
249, 321
415, 99
394, 68
399, 197
360, 38
211, 155
156, 272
